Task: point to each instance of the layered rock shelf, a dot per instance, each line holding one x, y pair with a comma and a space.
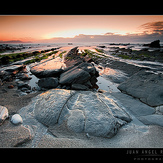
148, 87
79, 75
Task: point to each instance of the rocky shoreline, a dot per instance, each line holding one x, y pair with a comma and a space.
79, 75
65, 108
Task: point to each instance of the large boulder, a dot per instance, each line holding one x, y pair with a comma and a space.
82, 74
145, 85
79, 74
79, 111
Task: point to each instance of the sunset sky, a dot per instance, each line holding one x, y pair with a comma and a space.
53, 28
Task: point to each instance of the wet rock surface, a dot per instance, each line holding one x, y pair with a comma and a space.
50, 68
84, 74
78, 72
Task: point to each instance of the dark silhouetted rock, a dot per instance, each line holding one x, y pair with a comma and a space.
73, 51
154, 44
49, 82
80, 73
11, 86
21, 84
79, 87
100, 46
25, 77
72, 71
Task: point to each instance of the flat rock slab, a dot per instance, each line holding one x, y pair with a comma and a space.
153, 119
136, 107
81, 111
48, 69
12, 136
145, 85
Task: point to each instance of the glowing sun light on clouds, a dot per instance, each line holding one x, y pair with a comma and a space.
74, 32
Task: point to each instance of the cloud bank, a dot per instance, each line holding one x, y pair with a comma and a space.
147, 32
111, 37
153, 27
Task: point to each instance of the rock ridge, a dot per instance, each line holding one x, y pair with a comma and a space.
77, 75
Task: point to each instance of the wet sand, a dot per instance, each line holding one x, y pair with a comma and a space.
12, 99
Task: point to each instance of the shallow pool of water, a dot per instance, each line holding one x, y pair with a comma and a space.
33, 82
107, 85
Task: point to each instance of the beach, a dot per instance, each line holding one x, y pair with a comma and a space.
102, 76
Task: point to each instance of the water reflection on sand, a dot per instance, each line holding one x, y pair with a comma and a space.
107, 85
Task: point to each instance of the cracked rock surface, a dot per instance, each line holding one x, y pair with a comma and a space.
75, 112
